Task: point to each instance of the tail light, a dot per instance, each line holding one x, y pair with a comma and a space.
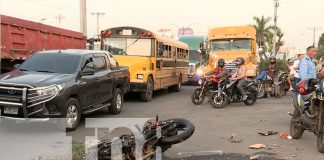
146, 34
106, 33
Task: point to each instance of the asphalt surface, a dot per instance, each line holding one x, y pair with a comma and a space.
214, 127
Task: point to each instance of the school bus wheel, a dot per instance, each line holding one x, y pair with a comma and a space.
146, 96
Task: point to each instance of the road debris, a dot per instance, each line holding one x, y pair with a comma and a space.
285, 136
270, 133
235, 139
257, 146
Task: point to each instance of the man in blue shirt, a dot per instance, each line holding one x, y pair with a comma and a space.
307, 68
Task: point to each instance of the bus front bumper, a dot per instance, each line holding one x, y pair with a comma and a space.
137, 87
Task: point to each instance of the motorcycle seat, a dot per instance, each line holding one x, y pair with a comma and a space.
306, 97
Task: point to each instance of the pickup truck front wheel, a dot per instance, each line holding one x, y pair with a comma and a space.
72, 114
146, 96
117, 102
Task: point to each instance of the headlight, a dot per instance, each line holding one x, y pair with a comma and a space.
52, 90
199, 81
199, 72
140, 76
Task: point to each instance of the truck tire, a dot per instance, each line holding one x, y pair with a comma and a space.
72, 114
147, 95
117, 102
177, 87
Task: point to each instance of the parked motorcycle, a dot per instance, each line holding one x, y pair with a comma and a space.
266, 85
205, 89
173, 131
309, 111
228, 93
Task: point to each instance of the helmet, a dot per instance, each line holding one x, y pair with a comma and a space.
240, 60
221, 62
290, 61
273, 59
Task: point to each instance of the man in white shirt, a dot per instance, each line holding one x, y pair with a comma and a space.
294, 70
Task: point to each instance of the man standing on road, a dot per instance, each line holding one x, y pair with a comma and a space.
294, 71
307, 68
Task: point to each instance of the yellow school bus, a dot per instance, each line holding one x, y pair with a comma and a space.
230, 43
155, 62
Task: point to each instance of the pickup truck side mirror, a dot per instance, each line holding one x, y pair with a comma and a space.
87, 72
160, 48
203, 47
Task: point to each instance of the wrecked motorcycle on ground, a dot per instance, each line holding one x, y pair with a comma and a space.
227, 93
309, 111
173, 131
266, 85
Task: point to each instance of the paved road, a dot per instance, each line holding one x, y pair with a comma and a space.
214, 127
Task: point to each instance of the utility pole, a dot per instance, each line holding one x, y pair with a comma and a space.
59, 18
83, 17
98, 14
314, 34
276, 5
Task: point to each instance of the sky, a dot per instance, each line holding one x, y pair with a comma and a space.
295, 17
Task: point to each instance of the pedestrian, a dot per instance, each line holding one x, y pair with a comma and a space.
306, 66
294, 71
291, 72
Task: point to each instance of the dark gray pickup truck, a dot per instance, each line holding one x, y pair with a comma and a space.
63, 84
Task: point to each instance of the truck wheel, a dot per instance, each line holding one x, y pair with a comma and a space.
117, 102
177, 87
146, 96
72, 114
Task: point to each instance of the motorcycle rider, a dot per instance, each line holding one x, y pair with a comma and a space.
273, 71
240, 75
219, 72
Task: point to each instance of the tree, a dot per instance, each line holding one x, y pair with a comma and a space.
320, 52
263, 30
280, 42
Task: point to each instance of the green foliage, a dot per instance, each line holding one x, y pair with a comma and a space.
320, 52
263, 66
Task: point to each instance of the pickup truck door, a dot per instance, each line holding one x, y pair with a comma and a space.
104, 77
88, 84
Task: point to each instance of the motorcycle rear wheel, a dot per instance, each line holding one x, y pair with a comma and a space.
320, 136
218, 100
250, 100
184, 130
197, 97
296, 131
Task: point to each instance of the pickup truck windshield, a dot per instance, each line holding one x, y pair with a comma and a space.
52, 63
128, 46
235, 44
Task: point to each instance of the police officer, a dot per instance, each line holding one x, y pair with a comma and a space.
307, 68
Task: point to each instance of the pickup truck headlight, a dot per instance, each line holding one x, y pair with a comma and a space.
52, 90
140, 76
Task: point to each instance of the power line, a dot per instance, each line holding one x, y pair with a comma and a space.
314, 34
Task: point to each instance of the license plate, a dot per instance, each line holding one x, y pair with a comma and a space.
10, 110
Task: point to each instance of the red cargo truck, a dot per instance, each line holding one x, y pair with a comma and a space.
21, 38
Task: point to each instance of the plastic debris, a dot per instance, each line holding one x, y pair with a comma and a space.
269, 133
257, 146
285, 136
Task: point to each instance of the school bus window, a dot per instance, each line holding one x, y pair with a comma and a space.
128, 46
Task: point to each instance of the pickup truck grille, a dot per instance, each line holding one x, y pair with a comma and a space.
25, 98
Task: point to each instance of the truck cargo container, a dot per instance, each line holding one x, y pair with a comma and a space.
21, 38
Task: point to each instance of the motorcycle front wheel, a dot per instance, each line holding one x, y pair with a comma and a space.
296, 130
261, 90
198, 96
218, 100
183, 130
320, 139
